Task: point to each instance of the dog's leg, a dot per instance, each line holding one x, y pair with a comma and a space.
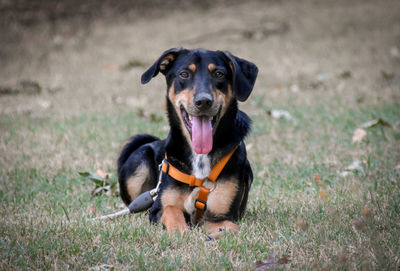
216, 229
174, 220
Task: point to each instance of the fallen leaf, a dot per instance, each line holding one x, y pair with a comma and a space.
103, 267
345, 74
92, 210
156, 118
394, 51
93, 177
355, 165
133, 63
44, 104
284, 260
100, 190
322, 77
280, 114
388, 76
22, 87
270, 262
344, 173
366, 211
103, 174
267, 263
111, 66
317, 180
294, 88
359, 135
376, 122
323, 194
105, 185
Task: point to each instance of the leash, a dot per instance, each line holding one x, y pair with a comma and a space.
140, 204
201, 201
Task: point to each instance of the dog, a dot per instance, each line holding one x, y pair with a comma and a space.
206, 138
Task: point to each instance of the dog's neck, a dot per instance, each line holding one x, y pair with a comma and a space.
232, 129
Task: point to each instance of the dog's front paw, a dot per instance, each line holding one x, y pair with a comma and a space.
174, 220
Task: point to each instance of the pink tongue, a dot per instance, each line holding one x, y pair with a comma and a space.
202, 135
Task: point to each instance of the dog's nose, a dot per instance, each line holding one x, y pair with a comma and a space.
203, 101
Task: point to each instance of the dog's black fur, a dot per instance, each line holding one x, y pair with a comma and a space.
206, 84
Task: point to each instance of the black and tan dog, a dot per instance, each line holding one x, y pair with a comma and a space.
205, 175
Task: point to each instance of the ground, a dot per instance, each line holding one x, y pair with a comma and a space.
70, 96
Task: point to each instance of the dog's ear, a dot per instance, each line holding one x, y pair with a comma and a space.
162, 64
244, 75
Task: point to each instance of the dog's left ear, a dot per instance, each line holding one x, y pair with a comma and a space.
162, 64
244, 75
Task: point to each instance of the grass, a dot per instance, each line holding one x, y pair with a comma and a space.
286, 213
339, 222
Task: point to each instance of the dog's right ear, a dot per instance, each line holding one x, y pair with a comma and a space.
162, 64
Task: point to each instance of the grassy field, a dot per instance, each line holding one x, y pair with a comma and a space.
332, 65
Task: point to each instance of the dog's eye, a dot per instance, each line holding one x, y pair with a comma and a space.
184, 75
219, 74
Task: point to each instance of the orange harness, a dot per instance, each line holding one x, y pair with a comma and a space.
201, 201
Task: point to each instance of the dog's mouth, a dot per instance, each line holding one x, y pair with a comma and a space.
200, 129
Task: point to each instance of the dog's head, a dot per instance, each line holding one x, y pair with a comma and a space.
201, 85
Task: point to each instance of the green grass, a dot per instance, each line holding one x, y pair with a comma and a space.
44, 212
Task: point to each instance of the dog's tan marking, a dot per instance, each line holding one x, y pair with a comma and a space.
182, 98
192, 67
228, 96
223, 99
174, 220
220, 199
215, 230
220, 98
231, 66
166, 60
211, 67
173, 197
171, 94
136, 181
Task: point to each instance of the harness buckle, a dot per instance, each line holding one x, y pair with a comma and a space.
200, 205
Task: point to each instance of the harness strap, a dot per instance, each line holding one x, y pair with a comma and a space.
178, 175
201, 201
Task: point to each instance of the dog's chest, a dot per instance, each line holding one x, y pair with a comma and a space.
201, 170
222, 192
201, 165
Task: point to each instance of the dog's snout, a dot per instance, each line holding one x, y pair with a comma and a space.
203, 101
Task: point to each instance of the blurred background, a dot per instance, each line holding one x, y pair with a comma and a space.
68, 58
324, 145
64, 59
